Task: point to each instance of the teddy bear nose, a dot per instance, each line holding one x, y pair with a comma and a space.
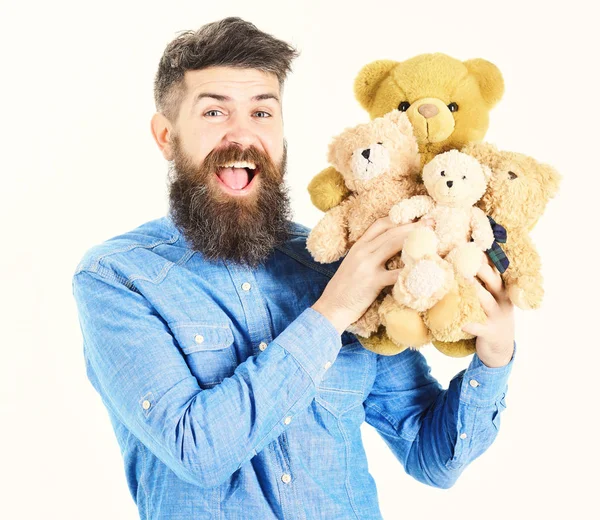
449, 183
366, 153
428, 110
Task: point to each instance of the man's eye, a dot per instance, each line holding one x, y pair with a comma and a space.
264, 114
212, 113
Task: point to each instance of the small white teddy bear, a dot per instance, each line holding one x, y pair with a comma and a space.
455, 182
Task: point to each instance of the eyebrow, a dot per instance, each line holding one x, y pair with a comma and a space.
219, 97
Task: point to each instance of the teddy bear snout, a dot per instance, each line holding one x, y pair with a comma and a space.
366, 153
449, 184
428, 110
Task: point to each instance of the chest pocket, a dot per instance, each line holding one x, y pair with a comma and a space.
344, 383
209, 350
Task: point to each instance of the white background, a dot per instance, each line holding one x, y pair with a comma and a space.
79, 166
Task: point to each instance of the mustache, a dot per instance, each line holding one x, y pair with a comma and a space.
233, 153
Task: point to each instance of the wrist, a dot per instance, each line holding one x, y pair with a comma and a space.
335, 317
497, 360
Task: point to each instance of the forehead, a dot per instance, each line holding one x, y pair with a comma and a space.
233, 82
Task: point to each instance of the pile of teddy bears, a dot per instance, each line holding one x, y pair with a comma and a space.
422, 155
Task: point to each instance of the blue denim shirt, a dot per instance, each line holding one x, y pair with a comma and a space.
231, 398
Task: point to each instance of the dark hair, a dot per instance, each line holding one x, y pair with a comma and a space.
230, 42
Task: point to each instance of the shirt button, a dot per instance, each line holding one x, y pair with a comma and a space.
474, 383
463, 435
327, 365
146, 404
198, 338
287, 420
262, 345
246, 286
286, 478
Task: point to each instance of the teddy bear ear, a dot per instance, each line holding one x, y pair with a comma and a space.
551, 180
400, 119
368, 80
484, 152
489, 78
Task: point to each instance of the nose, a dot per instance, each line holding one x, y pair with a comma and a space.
238, 132
366, 153
428, 110
449, 183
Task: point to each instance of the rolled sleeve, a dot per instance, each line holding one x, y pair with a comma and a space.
313, 342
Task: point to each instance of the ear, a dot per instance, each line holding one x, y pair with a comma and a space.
487, 172
161, 130
551, 180
400, 119
368, 80
489, 78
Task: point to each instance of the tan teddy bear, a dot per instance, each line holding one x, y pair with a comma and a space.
517, 195
379, 161
455, 182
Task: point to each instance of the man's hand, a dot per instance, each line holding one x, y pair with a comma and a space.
495, 338
362, 274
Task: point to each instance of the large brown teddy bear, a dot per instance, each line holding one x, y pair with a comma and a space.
448, 103
446, 100
379, 162
517, 195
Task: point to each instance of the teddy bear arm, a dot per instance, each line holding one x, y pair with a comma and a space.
410, 209
481, 230
327, 189
328, 240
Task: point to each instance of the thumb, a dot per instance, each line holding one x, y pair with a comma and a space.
477, 329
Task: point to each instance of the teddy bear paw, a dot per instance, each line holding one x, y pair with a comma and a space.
526, 294
326, 251
423, 285
399, 215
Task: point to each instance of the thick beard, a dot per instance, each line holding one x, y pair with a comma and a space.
244, 229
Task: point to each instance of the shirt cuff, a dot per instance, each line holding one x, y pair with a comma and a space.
483, 386
313, 342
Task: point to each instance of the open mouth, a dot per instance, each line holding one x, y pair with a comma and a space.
237, 178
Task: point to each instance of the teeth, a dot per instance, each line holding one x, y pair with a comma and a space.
242, 164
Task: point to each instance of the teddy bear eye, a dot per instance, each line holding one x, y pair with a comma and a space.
379, 142
464, 178
512, 175
404, 106
443, 174
453, 107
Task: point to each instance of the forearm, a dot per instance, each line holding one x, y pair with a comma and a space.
461, 424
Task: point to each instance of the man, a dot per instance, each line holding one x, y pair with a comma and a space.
218, 344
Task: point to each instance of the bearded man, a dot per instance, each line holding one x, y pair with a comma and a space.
219, 346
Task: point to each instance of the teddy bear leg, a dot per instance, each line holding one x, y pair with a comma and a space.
526, 292
466, 259
420, 243
422, 285
404, 326
380, 343
460, 348
327, 241
461, 306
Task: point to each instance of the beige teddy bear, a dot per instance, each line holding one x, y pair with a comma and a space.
379, 162
455, 247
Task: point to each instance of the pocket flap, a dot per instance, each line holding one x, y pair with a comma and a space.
198, 336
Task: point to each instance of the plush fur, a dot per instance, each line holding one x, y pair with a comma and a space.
432, 85
517, 195
379, 162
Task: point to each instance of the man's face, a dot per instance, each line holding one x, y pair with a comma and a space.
228, 163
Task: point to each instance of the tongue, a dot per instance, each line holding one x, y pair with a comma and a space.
234, 178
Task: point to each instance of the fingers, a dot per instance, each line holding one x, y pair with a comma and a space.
477, 329
490, 276
390, 242
374, 230
488, 302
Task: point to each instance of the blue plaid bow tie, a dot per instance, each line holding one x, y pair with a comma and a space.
495, 253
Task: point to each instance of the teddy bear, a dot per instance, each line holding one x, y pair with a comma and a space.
517, 194
446, 100
379, 161
455, 246
448, 103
